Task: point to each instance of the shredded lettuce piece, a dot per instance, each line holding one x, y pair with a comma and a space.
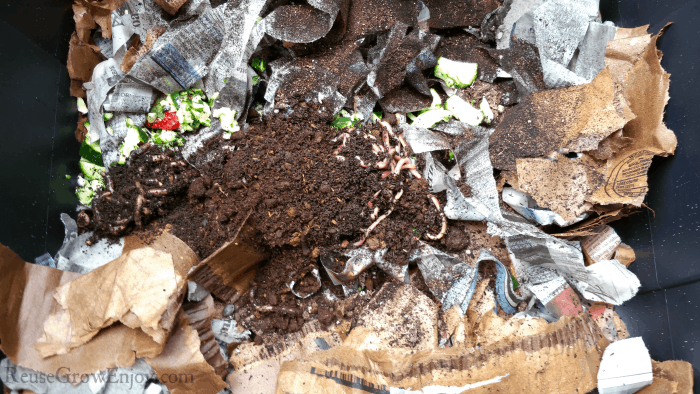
258, 64
486, 110
82, 108
431, 117
456, 74
463, 111
227, 116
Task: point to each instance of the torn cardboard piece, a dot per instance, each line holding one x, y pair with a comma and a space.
143, 289
181, 358
609, 322
171, 6
201, 315
625, 367
575, 119
398, 316
673, 373
219, 273
601, 246
526, 206
564, 357
257, 366
560, 183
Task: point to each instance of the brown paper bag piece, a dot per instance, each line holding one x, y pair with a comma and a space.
576, 119
101, 12
257, 366
600, 246
200, 315
182, 367
398, 316
625, 254
136, 51
134, 289
26, 299
171, 6
82, 59
608, 147
84, 22
563, 357
645, 85
559, 183
220, 272
81, 131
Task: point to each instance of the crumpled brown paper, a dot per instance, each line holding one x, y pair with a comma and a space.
26, 298
633, 62
575, 119
645, 85
135, 289
559, 183
82, 59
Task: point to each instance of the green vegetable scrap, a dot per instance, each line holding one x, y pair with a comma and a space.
107, 116
90, 182
134, 135
227, 116
431, 117
256, 79
451, 156
377, 116
486, 110
87, 126
258, 64
189, 106
167, 139
82, 108
343, 120
463, 111
456, 74
212, 98
515, 282
91, 152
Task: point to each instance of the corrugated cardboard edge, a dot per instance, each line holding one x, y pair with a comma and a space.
219, 273
201, 315
566, 358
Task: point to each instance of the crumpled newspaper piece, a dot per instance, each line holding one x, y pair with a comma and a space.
543, 263
453, 281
